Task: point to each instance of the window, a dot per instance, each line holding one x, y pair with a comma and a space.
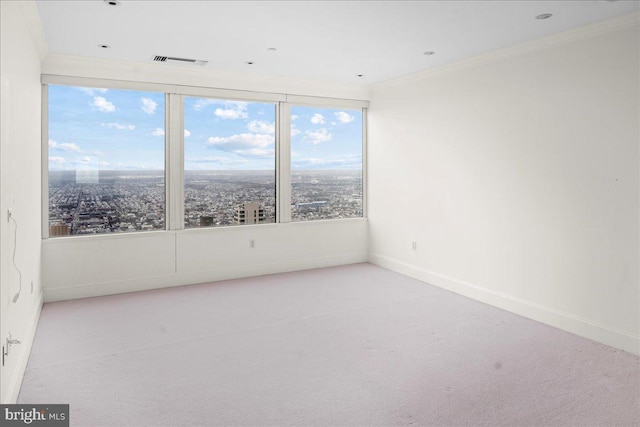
326, 163
106, 161
229, 163
124, 157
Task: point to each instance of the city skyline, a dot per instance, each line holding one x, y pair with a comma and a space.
128, 201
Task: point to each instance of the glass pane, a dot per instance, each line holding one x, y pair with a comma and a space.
106, 161
229, 162
326, 163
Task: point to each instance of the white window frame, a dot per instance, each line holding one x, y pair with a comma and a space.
174, 139
308, 101
244, 96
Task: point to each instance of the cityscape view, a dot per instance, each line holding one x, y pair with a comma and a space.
107, 151
81, 203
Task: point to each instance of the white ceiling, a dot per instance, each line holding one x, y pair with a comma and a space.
326, 40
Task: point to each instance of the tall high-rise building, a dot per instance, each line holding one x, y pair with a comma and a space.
56, 230
248, 213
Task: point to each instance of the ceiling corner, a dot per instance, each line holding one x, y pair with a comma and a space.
31, 15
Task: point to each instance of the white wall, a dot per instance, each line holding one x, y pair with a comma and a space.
19, 187
78, 267
517, 175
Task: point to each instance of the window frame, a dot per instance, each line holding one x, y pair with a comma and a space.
47, 80
217, 94
347, 104
174, 142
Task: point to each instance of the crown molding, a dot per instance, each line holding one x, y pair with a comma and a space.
581, 33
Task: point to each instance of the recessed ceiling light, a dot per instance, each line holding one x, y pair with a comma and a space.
359, 75
249, 62
112, 2
544, 16
429, 52
104, 46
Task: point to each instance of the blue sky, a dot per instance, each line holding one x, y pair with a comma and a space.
100, 129
325, 138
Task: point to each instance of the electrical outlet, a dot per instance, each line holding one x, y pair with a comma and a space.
7, 347
9, 213
414, 246
252, 243
32, 286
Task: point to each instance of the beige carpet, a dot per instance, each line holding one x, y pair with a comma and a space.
354, 345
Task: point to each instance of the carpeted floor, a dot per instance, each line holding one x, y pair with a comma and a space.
354, 345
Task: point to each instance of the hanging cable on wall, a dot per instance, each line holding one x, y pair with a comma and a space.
13, 259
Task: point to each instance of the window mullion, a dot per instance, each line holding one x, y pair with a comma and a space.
44, 158
174, 149
283, 195
365, 167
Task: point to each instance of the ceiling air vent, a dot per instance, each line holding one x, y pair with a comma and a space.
159, 58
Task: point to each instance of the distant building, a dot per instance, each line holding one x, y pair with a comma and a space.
248, 213
309, 205
57, 230
206, 221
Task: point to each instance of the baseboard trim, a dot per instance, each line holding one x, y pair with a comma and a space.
565, 321
23, 356
190, 278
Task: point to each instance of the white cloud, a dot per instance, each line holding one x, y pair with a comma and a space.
232, 111
294, 117
119, 126
92, 90
221, 160
103, 105
258, 126
317, 119
148, 105
187, 133
256, 152
85, 160
244, 144
317, 137
57, 160
69, 146
344, 117
65, 146
243, 140
203, 103
295, 131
